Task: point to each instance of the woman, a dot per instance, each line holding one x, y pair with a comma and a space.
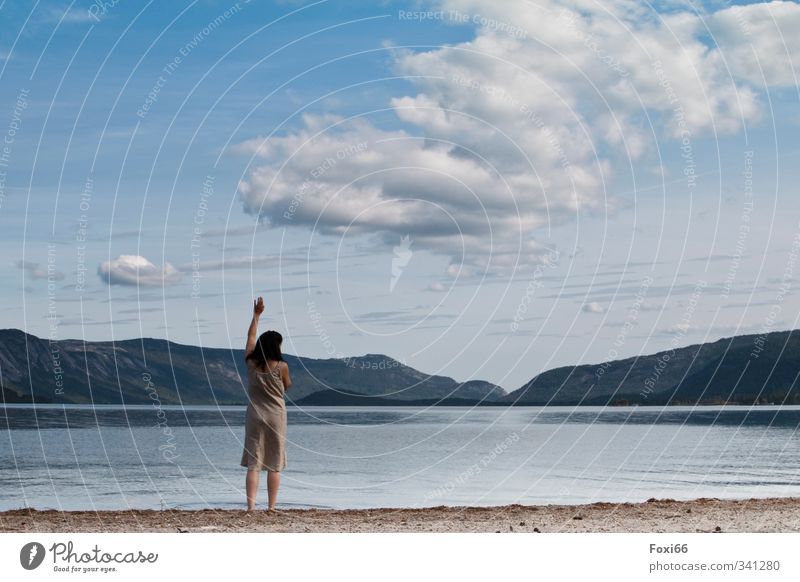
265, 424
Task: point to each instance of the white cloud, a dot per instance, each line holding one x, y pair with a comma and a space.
350, 177
508, 133
681, 327
137, 271
599, 59
66, 15
593, 307
760, 41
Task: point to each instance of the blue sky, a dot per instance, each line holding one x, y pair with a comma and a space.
477, 189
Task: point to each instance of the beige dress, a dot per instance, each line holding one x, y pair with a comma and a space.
265, 422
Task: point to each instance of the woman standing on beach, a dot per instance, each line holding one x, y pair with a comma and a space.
265, 422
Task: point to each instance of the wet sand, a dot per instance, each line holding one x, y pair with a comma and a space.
664, 515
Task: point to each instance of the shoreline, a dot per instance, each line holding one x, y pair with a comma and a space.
655, 515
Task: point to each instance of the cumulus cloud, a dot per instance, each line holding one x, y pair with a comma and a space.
134, 270
508, 133
350, 178
760, 41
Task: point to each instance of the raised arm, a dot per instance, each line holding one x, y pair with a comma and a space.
252, 331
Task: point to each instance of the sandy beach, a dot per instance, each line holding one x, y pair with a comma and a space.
663, 515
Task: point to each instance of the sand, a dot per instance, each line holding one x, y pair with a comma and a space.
664, 515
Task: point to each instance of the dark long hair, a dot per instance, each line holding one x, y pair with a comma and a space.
268, 347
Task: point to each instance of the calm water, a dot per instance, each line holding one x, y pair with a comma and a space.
75, 457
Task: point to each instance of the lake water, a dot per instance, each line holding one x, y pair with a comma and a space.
110, 457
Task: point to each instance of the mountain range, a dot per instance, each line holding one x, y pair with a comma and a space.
743, 369
140, 371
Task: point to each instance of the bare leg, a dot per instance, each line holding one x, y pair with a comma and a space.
251, 485
273, 480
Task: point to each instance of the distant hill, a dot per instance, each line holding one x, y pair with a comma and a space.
139, 371
744, 369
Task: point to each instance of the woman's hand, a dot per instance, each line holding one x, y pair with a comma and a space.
258, 306
252, 331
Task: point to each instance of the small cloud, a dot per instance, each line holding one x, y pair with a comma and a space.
682, 327
69, 15
461, 271
122, 234
593, 307
36, 272
249, 262
230, 231
137, 271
